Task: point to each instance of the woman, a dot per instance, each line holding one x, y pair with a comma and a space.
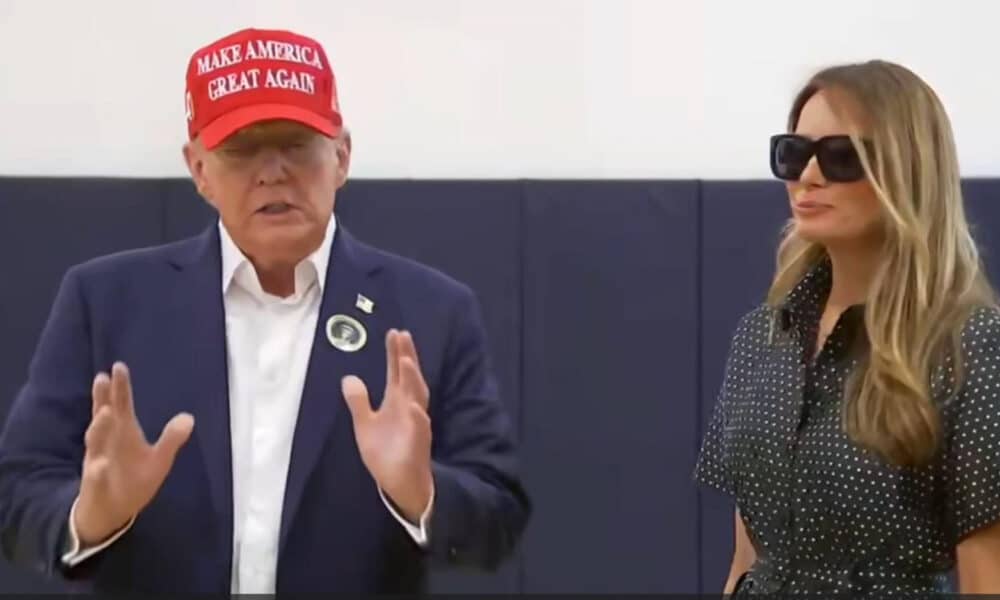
858, 427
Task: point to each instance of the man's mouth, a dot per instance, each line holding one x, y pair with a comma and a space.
275, 208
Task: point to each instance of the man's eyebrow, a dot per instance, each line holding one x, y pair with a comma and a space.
259, 137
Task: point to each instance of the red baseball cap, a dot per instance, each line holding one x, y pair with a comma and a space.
258, 75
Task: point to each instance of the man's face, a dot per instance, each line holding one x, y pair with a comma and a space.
274, 185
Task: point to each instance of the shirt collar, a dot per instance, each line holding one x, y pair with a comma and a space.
804, 305
807, 298
237, 268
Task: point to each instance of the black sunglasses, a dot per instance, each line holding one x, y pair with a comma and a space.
837, 158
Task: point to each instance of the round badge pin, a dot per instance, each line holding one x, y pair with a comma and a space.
345, 333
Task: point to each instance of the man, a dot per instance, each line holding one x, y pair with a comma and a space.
252, 355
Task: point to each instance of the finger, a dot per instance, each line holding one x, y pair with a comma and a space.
356, 395
391, 359
121, 390
412, 382
407, 347
175, 434
100, 392
97, 438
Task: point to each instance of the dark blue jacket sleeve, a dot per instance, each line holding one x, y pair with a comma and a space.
41, 446
480, 506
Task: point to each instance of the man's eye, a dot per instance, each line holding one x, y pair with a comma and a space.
237, 151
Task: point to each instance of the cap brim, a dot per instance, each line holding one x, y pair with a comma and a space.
218, 130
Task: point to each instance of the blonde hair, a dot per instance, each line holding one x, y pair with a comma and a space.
930, 277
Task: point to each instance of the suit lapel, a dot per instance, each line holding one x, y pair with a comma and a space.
349, 274
199, 356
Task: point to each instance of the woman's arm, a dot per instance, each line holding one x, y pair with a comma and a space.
973, 458
743, 555
978, 557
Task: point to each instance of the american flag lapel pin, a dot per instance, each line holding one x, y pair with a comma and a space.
364, 304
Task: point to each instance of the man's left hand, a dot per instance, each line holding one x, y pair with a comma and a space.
395, 440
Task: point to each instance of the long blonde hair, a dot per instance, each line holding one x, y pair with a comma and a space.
930, 277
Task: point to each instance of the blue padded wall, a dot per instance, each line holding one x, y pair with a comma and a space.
610, 368
609, 307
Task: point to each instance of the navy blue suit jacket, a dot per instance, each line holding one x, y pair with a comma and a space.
160, 310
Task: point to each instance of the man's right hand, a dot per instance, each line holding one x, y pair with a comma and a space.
122, 471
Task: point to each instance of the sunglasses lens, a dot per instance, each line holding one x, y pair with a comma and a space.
789, 156
839, 160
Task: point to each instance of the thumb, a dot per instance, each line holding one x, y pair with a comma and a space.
356, 396
175, 434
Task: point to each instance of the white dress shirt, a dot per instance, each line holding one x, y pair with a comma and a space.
268, 340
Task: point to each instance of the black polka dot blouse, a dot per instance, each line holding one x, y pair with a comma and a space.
823, 514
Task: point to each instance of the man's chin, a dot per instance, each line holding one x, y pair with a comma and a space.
286, 244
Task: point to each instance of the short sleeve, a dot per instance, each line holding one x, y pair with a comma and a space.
714, 468
972, 430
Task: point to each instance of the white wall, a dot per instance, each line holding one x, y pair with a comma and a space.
480, 88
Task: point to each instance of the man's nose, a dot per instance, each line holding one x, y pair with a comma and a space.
272, 168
